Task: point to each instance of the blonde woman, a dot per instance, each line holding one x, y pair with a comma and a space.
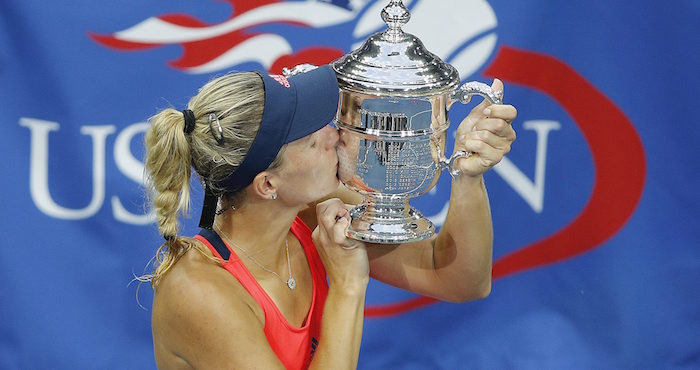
271, 282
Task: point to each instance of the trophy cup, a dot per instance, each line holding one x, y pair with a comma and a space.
392, 119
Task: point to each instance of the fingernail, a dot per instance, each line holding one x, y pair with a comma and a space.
487, 111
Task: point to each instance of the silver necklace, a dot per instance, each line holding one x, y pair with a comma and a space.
291, 283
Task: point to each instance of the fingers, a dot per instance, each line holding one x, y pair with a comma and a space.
495, 119
338, 229
498, 127
501, 111
329, 211
497, 85
334, 218
487, 133
487, 154
489, 139
484, 111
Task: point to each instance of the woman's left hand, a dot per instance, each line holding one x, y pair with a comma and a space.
487, 134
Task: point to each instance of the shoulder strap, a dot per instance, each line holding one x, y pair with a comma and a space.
215, 240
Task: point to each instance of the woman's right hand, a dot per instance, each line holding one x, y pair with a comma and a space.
345, 260
347, 268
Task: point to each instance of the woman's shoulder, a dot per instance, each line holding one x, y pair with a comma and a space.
196, 306
197, 288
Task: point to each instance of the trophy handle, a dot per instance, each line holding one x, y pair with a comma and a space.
299, 68
464, 95
448, 164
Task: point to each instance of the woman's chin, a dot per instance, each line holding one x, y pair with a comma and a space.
336, 184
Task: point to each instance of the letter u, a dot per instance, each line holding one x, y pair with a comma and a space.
39, 168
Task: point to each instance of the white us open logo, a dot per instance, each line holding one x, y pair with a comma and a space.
468, 50
132, 167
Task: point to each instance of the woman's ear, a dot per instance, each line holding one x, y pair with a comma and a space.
265, 185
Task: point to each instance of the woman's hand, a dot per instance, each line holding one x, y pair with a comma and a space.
487, 134
347, 267
345, 259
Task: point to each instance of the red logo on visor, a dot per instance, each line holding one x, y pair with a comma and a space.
281, 79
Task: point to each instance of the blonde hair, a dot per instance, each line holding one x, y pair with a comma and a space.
238, 100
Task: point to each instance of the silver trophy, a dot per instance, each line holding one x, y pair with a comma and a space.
392, 119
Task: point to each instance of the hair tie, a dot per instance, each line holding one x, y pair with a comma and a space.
189, 120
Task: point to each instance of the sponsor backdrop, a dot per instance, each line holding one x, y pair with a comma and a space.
596, 255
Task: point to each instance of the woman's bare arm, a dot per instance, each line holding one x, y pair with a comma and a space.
454, 265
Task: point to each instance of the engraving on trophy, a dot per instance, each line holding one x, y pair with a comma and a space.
386, 151
395, 166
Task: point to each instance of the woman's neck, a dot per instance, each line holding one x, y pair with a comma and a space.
260, 228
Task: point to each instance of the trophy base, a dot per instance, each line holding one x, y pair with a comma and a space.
370, 224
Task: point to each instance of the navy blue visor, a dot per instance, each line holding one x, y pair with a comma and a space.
294, 107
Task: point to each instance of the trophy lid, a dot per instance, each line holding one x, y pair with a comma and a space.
394, 62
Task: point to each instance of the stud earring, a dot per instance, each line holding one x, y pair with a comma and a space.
274, 196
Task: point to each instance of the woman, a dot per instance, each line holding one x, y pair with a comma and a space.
264, 151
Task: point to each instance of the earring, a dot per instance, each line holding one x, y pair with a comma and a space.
274, 196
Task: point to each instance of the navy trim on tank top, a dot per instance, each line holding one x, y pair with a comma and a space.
215, 240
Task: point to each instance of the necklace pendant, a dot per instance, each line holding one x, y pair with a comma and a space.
291, 283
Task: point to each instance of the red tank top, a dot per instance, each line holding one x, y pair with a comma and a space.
294, 346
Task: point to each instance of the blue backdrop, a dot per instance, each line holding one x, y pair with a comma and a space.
597, 244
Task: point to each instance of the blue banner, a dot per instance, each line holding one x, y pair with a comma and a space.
596, 212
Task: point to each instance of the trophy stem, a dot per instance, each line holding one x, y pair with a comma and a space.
388, 220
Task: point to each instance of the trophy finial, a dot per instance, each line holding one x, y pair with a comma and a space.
395, 15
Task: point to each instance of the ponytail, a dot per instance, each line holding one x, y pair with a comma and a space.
168, 165
174, 148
